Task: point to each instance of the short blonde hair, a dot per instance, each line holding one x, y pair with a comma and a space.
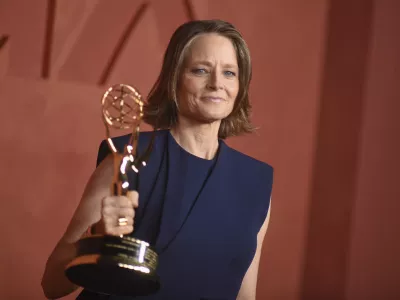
160, 111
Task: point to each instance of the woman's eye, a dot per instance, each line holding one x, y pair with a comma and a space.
229, 73
199, 71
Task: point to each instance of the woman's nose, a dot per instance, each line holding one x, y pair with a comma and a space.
215, 81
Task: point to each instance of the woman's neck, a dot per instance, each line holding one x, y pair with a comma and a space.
200, 140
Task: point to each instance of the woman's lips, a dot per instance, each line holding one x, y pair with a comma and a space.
213, 99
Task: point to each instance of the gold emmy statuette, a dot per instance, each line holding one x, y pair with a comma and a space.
118, 265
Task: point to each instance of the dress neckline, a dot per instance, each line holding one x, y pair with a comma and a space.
175, 144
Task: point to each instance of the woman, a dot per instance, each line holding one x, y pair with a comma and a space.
203, 206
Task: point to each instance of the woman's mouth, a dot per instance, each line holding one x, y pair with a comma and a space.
214, 99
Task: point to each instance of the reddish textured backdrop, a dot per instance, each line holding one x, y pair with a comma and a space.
325, 95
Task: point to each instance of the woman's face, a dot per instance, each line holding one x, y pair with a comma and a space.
209, 81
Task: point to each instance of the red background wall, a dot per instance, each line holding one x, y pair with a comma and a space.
326, 97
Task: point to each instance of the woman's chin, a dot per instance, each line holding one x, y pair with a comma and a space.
207, 116
213, 118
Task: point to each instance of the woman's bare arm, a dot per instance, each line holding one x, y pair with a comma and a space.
54, 282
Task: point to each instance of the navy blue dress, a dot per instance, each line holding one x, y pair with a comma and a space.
202, 217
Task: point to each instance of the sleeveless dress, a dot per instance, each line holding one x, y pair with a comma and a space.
201, 216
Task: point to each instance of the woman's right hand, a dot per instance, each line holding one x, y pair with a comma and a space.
118, 213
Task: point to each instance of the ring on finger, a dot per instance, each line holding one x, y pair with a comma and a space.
122, 221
